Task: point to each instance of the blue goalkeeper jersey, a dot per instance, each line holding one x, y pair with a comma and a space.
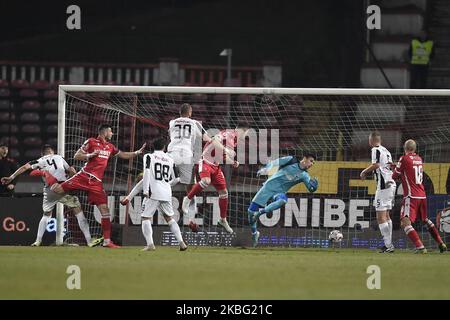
288, 175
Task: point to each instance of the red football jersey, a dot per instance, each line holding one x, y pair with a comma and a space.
97, 165
410, 169
228, 139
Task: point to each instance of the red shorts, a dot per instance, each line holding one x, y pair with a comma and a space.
206, 170
83, 181
413, 209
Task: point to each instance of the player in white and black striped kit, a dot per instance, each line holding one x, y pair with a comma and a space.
385, 194
160, 174
53, 168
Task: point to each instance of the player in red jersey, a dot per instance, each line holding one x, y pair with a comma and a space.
96, 152
210, 172
414, 204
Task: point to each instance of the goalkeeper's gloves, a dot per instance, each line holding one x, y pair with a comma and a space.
313, 185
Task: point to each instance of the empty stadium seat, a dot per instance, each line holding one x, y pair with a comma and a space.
245, 98
221, 98
11, 141
4, 93
30, 117
51, 94
126, 130
31, 105
8, 128
53, 142
267, 120
7, 117
40, 85
31, 129
198, 109
199, 98
13, 153
4, 83
51, 106
150, 132
55, 85
166, 119
20, 84
32, 154
174, 97
172, 108
82, 118
51, 117
32, 141
28, 93
52, 129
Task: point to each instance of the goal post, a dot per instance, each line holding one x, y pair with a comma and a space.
332, 123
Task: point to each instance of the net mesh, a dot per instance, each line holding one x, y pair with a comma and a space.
334, 127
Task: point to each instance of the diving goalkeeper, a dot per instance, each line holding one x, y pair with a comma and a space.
291, 171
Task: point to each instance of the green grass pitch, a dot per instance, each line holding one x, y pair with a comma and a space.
220, 273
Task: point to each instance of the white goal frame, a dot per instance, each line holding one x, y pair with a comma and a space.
63, 89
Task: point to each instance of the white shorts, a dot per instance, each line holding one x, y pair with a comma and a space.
52, 198
149, 207
184, 162
384, 199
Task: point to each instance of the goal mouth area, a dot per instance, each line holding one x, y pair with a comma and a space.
334, 124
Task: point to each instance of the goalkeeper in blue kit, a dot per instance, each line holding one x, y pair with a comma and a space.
291, 171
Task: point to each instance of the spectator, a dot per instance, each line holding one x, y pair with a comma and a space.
447, 185
7, 167
420, 53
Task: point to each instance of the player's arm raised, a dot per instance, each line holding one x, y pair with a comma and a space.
146, 178
131, 155
215, 141
18, 172
275, 163
69, 169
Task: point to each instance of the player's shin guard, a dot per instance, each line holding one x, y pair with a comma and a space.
197, 189
223, 205
385, 232
280, 200
41, 228
147, 231
106, 228
252, 212
390, 228
433, 231
414, 237
84, 226
175, 228
252, 221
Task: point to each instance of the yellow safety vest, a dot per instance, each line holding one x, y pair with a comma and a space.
421, 51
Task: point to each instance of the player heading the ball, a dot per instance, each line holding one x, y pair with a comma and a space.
96, 152
210, 172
